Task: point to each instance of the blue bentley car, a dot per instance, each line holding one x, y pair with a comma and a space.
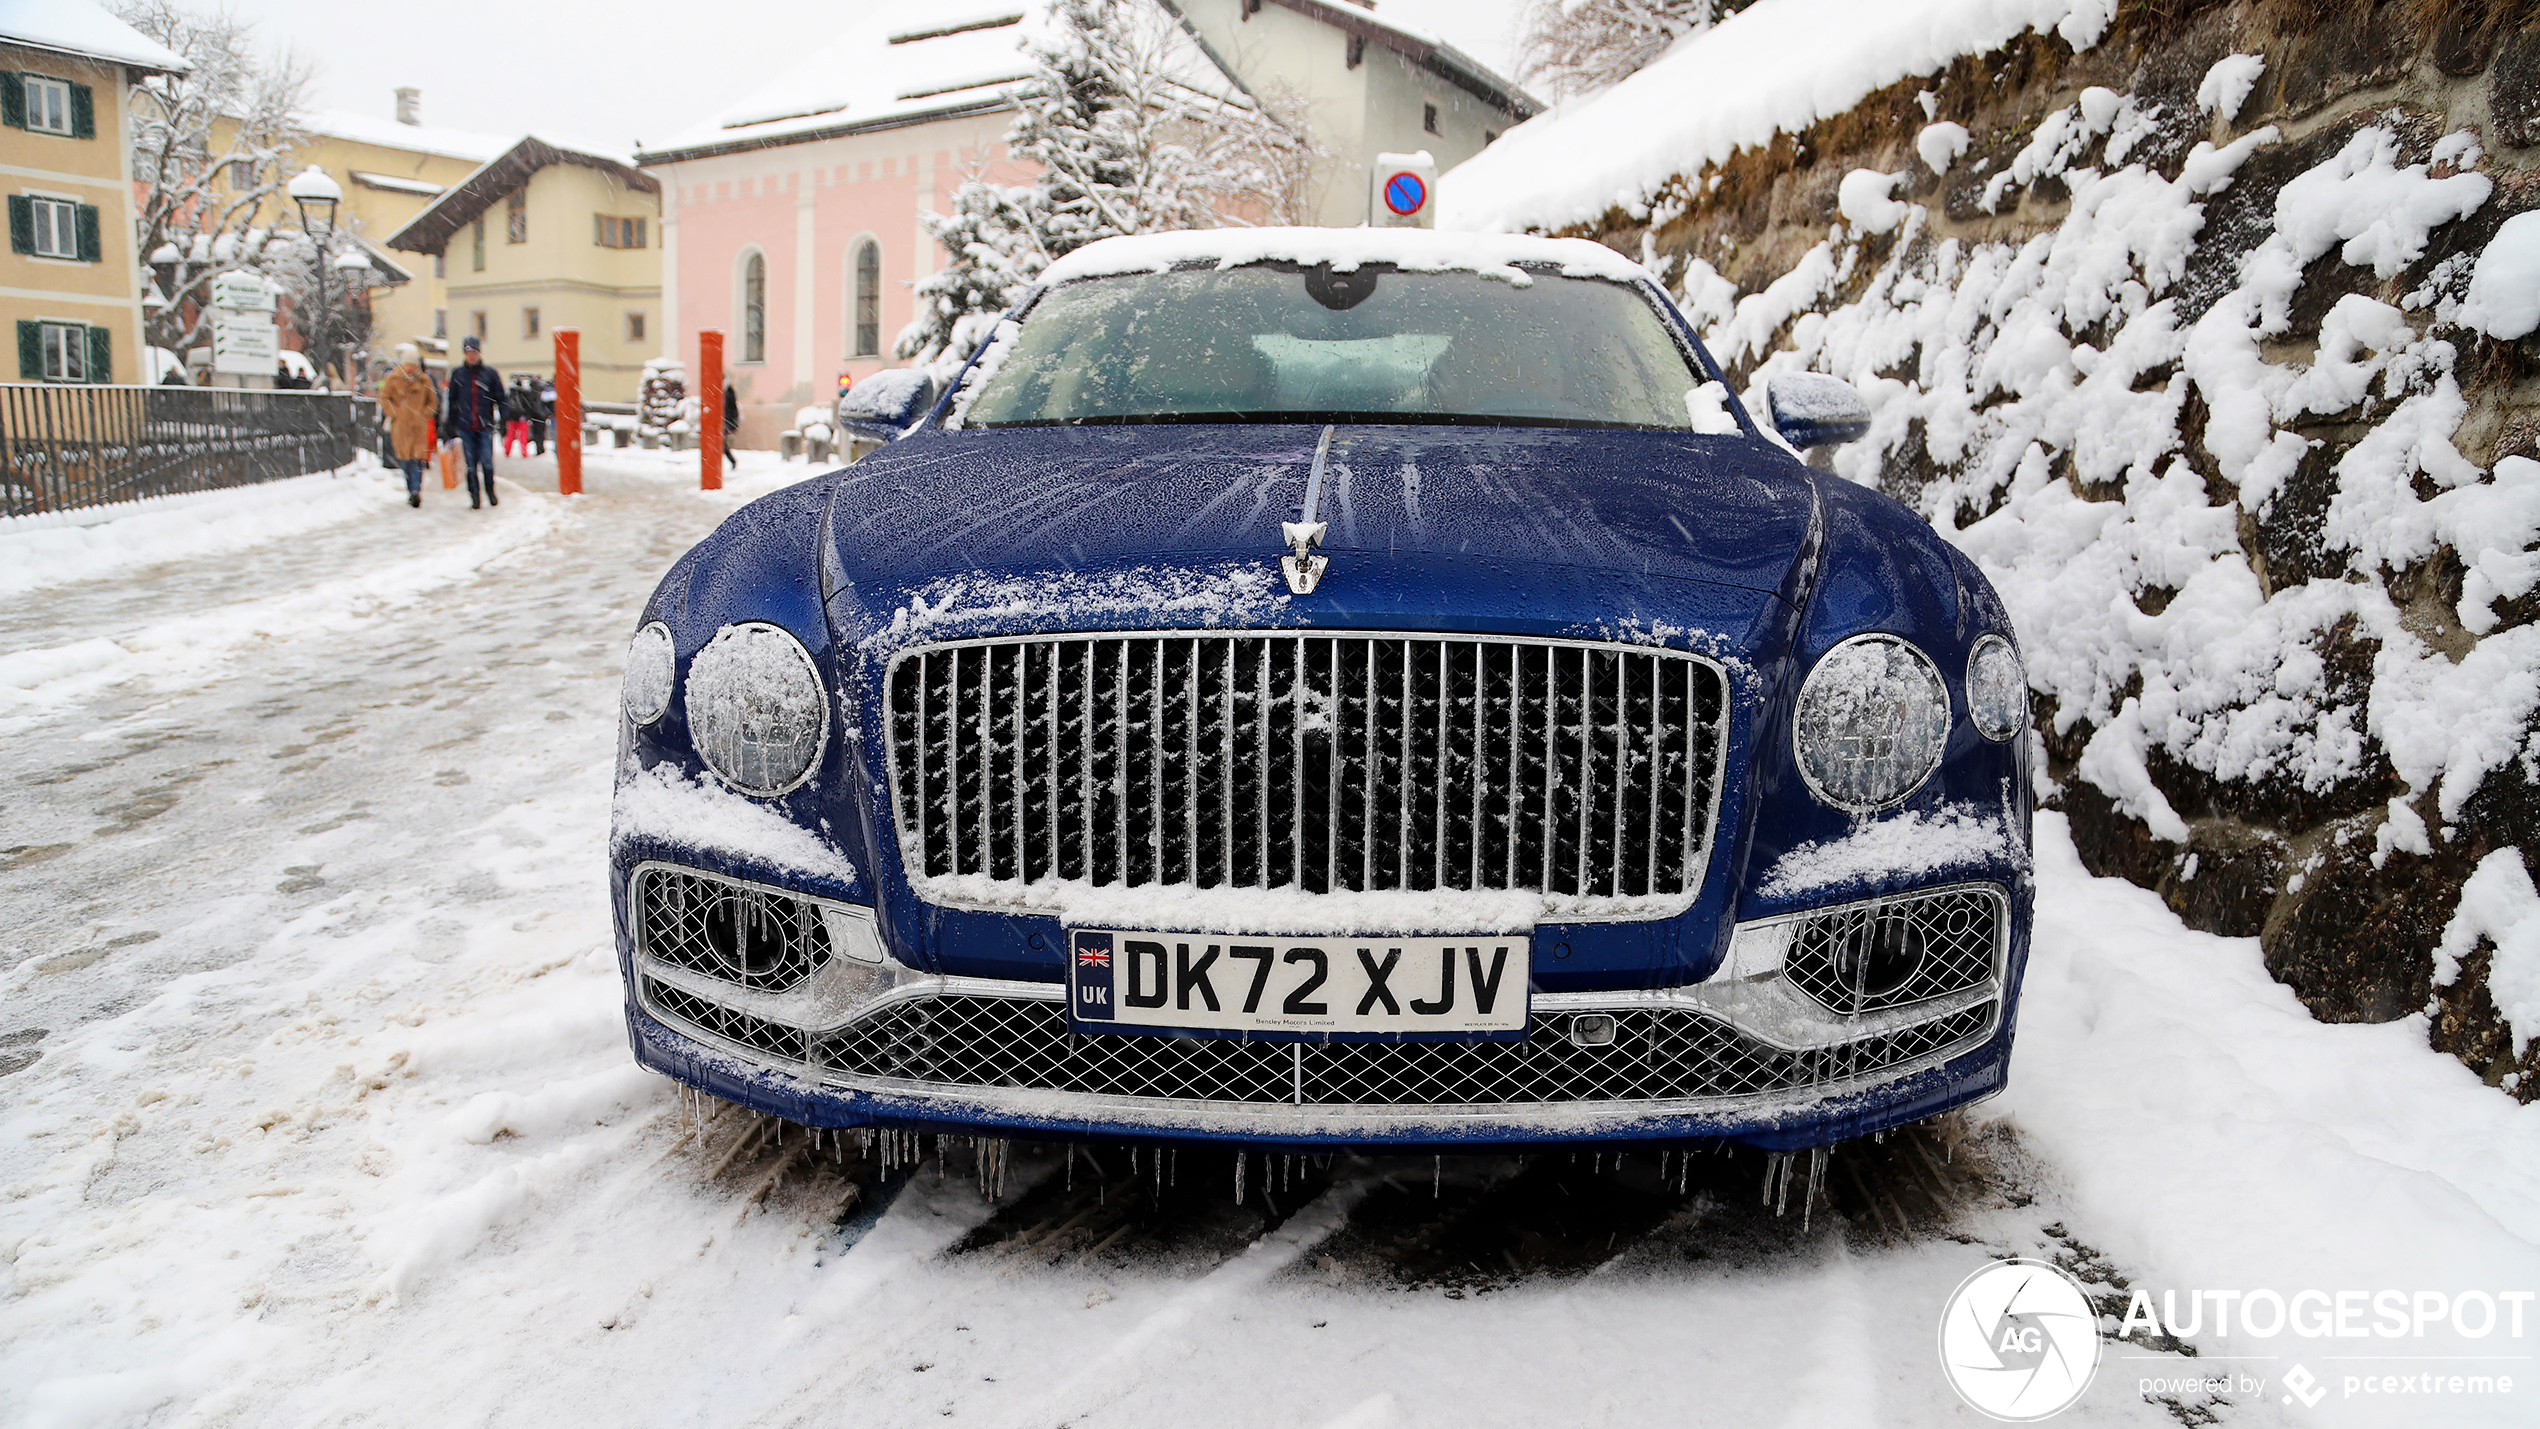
1330, 688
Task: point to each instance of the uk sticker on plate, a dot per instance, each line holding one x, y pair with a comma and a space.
1158, 982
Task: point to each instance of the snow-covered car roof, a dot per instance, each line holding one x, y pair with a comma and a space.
1416, 250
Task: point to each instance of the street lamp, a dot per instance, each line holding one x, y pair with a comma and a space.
317, 195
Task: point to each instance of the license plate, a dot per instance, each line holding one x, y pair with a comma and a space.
1143, 982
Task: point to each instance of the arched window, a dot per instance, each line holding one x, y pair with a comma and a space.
868, 300
754, 308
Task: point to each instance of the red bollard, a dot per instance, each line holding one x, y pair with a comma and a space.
710, 408
567, 418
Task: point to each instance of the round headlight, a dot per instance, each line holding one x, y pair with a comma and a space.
1997, 689
1873, 717
756, 710
650, 669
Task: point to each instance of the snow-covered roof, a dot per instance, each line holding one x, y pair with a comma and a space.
389, 134
430, 230
395, 184
1777, 66
1417, 250
82, 27
890, 63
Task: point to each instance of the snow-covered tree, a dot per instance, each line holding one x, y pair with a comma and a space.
994, 255
206, 207
1135, 130
1574, 47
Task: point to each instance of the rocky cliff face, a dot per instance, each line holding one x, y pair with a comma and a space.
2185, 337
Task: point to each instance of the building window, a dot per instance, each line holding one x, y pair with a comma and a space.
242, 175
516, 217
634, 327
611, 232
478, 253
754, 308
53, 228
478, 319
1429, 117
441, 324
64, 352
528, 322
51, 106
440, 265
868, 300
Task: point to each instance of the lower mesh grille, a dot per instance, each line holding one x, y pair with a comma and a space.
1658, 1054
756, 938
1897, 951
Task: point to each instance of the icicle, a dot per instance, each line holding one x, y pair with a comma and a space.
1240, 1158
1437, 1177
1071, 1166
1816, 1178
1173, 1168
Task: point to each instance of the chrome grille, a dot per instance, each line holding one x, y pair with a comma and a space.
752, 937
1319, 762
1658, 1054
1955, 935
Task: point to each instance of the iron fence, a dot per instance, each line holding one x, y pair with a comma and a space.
66, 447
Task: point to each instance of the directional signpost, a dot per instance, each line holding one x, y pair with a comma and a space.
246, 341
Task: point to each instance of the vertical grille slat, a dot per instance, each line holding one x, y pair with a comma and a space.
1313, 761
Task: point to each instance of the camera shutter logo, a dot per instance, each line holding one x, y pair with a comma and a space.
2019, 1341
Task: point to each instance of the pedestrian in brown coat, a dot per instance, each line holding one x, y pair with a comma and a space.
410, 403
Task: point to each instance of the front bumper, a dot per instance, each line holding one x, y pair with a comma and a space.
1747, 1058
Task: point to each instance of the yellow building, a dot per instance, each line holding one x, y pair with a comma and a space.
390, 171
70, 285
544, 237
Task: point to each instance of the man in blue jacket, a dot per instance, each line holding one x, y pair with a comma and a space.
471, 413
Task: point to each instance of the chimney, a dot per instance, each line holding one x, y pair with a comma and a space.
409, 105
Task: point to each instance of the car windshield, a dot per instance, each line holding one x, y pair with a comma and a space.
1284, 343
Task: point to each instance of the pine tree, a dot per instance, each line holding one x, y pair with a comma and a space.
994, 258
1571, 48
1135, 131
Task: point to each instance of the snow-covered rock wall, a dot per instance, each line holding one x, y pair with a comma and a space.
2216, 340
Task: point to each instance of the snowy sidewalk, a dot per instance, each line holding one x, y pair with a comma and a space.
331, 1118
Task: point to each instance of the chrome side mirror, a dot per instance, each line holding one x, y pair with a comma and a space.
885, 405
1811, 409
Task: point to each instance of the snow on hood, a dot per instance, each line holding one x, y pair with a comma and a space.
1711, 508
1414, 250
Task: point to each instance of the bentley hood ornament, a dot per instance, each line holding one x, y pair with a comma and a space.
1304, 568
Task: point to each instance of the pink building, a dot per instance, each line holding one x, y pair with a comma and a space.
791, 221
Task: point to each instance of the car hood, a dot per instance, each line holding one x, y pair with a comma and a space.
1122, 527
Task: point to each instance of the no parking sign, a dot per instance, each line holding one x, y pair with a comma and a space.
1402, 191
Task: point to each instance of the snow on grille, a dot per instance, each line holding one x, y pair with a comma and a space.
1951, 940
1320, 763
1658, 1054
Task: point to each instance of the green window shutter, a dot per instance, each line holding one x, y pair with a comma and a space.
30, 352
21, 218
83, 112
101, 355
12, 99
92, 247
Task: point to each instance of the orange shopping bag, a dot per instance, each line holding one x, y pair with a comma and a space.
449, 469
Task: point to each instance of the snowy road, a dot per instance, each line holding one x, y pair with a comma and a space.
315, 1106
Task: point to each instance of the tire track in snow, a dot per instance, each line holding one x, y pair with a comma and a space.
1274, 1252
